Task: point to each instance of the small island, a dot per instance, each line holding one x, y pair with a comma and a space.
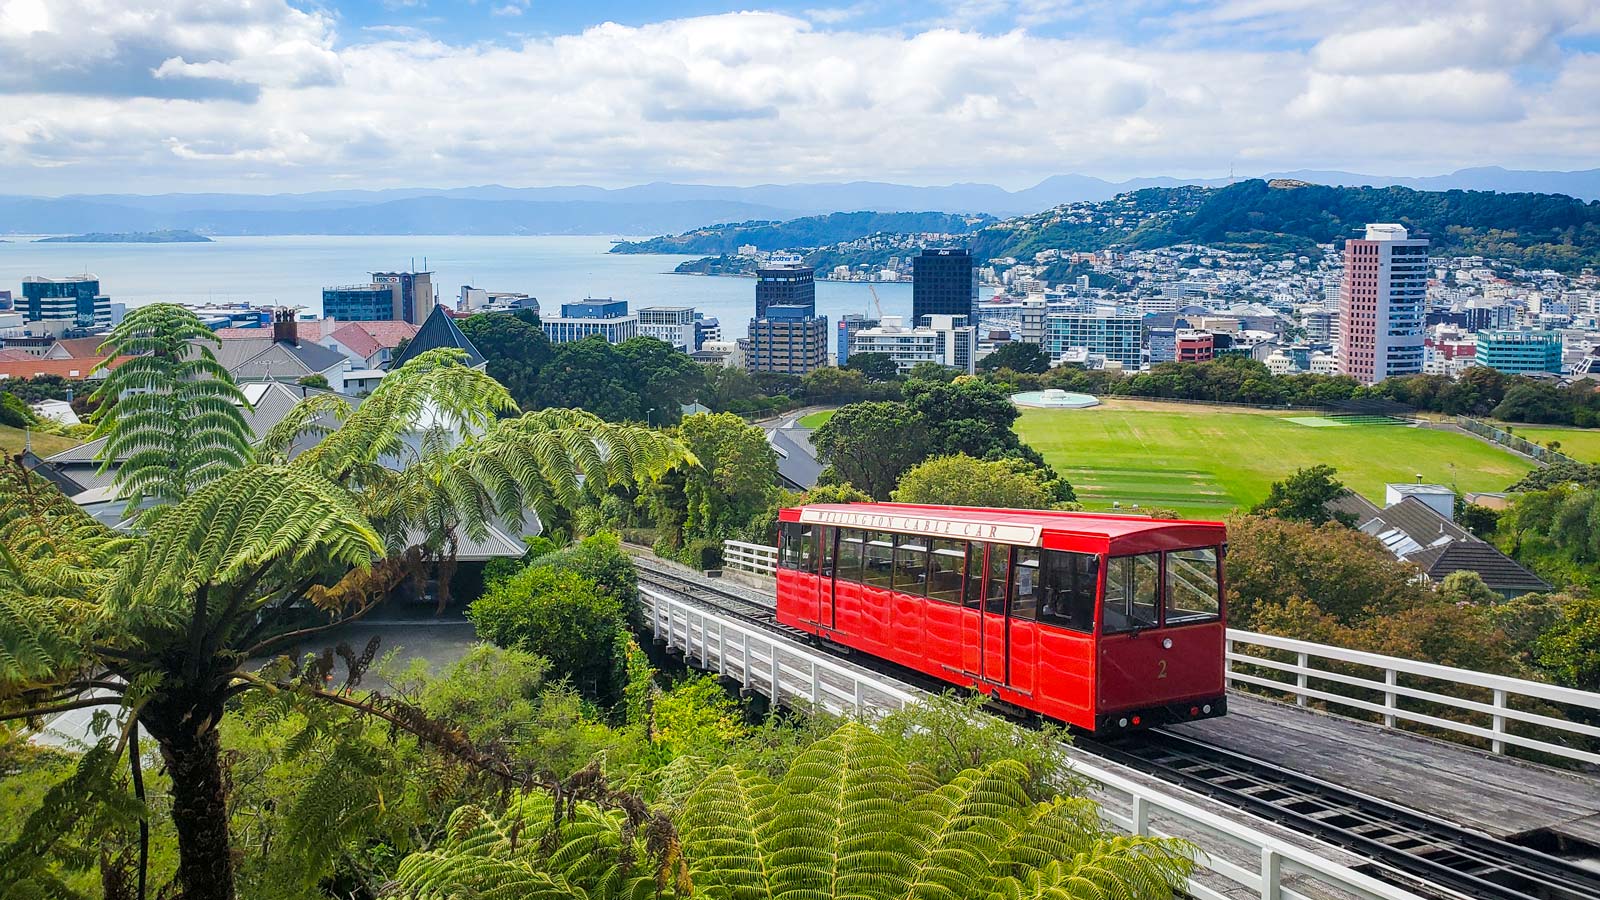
129, 237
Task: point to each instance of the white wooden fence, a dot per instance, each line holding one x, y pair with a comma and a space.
1232, 857
1313, 663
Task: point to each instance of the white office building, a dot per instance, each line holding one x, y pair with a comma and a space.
946, 340
672, 324
565, 329
1117, 338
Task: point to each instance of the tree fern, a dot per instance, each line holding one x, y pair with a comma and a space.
171, 415
849, 819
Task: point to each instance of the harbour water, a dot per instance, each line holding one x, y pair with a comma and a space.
293, 269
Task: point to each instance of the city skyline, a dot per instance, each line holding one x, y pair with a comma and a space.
274, 96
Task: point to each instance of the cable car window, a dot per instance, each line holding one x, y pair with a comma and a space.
850, 541
974, 597
945, 566
1025, 584
994, 597
1133, 587
788, 545
1193, 593
1071, 581
911, 565
829, 551
806, 551
879, 560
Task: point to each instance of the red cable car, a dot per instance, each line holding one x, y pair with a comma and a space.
1105, 622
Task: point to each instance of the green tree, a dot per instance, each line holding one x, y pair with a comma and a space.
1018, 356
960, 480
873, 366
513, 348
831, 384
665, 378
870, 445
1466, 587
171, 415
561, 616
1570, 649
1303, 496
590, 374
732, 483
1482, 521
850, 818
160, 623
314, 380
1342, 572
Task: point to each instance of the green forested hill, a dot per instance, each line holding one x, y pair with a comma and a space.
1535, 230
811, 231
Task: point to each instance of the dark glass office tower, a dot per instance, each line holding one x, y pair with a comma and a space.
785, 285
944, 283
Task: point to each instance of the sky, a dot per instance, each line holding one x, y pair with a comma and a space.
267, 96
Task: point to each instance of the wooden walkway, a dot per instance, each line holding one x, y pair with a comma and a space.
1494, 795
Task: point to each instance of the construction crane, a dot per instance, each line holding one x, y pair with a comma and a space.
876, 303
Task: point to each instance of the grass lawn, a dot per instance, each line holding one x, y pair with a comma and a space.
1579, 443
816, 419
11, 440
1205, 462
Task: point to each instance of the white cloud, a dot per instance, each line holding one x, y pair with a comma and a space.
267, 92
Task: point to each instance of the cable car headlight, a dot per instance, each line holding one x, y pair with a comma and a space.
1166, 643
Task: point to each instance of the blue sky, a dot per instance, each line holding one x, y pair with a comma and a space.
270, 95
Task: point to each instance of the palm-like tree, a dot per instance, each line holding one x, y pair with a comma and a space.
851, 818
161, 622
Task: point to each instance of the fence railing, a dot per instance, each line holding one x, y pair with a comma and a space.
1390, 689
1229, 855
757, 559
1380, 685
1507, 439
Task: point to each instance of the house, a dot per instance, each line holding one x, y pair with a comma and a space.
71, 369
798, 468
370, 344
1413, 529
280, 355
439, 330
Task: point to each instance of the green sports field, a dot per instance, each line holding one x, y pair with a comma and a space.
816, 419
1204, 461
1578, 443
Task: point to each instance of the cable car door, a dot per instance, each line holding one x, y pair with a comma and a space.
983, 619
828, 556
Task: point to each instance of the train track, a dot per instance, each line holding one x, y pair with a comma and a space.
1422, 853
1405, 847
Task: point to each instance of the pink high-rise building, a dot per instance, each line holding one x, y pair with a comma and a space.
1381, 304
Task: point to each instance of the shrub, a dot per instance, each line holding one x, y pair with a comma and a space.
562, 616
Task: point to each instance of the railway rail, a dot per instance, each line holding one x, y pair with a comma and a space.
1405, 848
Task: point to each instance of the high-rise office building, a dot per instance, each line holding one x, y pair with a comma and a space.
389, 297
66, 303
789, 284
787, 339
673, 324
1520, 352
944, 283
1382, 301
608, 318
1118, 338
945, 340
849, 325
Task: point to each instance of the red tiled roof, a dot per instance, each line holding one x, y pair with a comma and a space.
66, 368
16, 356
357, 339
82, 348
387, 334
306, 329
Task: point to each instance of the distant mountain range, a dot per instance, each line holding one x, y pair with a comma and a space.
659, 208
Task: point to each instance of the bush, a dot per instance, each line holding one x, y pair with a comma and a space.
600, 559
15, 413
562, 616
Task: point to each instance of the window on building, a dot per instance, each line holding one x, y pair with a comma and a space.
1193, 586
1133, 588
1071, 581
946, 564
878, 561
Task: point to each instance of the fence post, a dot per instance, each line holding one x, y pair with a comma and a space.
1301, 679
1391, 677
1271, 874
1499, 726
1141, 815
772, 650
861, 698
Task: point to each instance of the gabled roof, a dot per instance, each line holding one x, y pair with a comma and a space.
438, 330
1358, 508
367, 338
78, 348
266, 358
1499, 571
1414, 521
797, 465
66, 368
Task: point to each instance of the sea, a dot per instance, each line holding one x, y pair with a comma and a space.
292, 270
